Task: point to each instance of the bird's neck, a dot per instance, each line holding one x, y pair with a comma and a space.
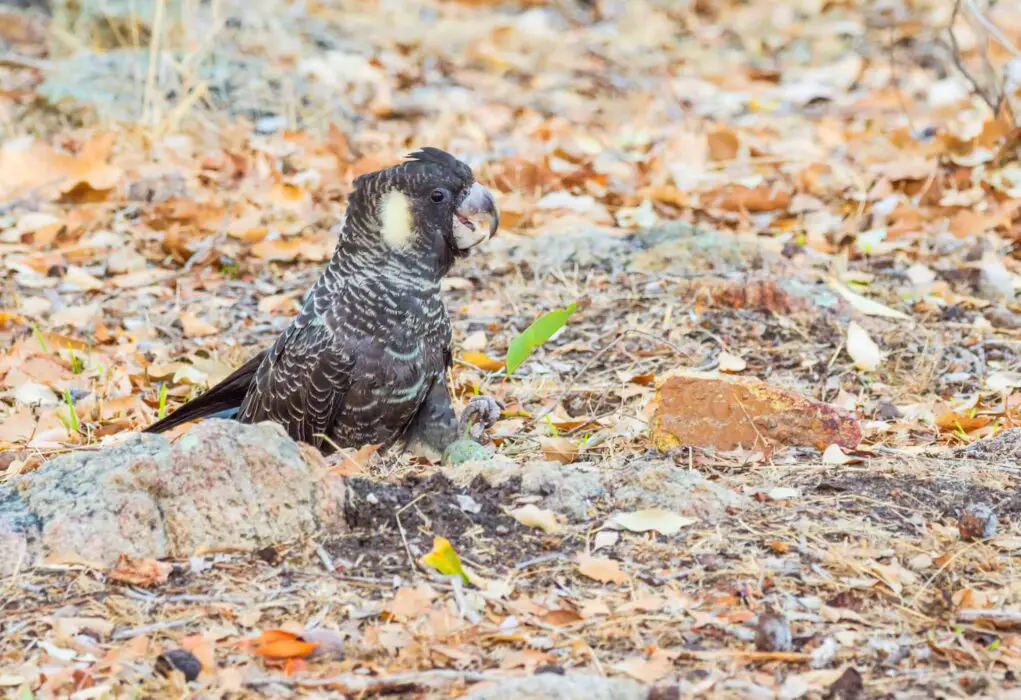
363, 254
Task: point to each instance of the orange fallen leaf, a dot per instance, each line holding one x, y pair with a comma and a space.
482, 361
140, 572
195, 327
647, 379
759, 199
647, 670
280, 303
724, 144
294, 666
951, 422
558, 618
559, 449
202, 649
353, 463
410, 602
281, 644
602, 570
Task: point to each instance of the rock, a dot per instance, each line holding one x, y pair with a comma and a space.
995, 282
783, 296
773, 633
551, 686
565, 489
725, 411
1004, 446
222, 485
179, 660
659, 483
849, 686
572, 490
978, 522
676, 247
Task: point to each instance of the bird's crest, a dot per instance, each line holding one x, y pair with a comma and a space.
434, 156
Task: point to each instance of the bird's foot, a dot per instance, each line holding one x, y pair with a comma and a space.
479, 415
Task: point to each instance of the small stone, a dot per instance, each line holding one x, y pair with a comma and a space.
849, 686
773, 633
920, 562
995, 282
179, 660
665, 692
727, 411
977, 522
549, 668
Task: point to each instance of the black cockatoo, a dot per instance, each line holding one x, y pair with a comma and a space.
365, 360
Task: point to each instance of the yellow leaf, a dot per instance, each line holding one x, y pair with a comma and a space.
482, 361
951, 422
444, 559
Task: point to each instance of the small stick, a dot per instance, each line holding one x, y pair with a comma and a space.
146, 629
1001, 617
351, 683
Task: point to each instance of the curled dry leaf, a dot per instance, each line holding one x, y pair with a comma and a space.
865, 305
731, 363
281, 644
559, 618
647, 670
532, 516
140, 572
411, 602
954, 422
482, 361
354, 462
559, 449
863, 350
602, 570
664, 522
835, 455
195, 327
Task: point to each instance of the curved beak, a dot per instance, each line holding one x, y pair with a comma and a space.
479, 202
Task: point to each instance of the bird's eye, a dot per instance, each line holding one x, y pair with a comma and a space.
439, 196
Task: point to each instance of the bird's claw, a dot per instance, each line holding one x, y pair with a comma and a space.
480, 414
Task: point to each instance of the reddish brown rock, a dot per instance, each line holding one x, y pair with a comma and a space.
706, 409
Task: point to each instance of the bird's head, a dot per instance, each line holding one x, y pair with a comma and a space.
429, 204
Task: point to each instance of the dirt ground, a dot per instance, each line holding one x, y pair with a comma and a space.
809, 193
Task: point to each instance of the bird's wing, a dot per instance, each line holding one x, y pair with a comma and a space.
354, 388
304, 381
228, 394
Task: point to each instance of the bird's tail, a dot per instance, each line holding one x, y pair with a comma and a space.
222, 401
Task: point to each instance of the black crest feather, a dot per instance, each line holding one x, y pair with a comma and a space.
435, 156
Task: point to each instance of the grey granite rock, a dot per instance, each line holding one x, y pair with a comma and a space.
222, 485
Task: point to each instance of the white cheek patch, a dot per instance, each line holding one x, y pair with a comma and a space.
395, 216
465, 237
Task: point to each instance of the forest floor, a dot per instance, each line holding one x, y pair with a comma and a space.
769, 190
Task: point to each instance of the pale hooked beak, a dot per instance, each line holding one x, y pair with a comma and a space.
478, 204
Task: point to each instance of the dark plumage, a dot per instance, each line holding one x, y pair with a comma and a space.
365, 360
